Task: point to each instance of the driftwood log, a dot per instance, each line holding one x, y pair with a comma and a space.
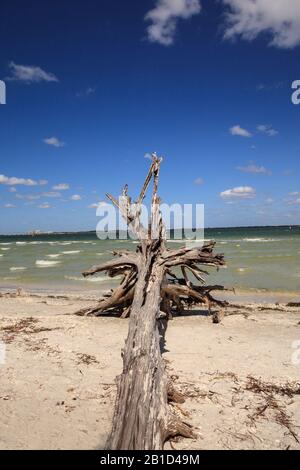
145, 411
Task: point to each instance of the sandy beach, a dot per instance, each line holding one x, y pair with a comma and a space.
57, 385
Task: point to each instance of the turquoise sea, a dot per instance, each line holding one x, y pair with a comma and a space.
265, 259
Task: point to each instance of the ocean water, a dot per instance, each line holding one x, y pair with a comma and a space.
263, 259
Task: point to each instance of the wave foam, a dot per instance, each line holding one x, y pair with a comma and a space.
18, 268
46, 264
87, 279
260, 240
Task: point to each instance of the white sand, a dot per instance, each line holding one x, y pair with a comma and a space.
50, 398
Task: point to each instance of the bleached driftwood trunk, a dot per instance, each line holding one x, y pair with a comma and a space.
144, 416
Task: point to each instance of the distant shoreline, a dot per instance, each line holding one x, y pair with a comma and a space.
81, 232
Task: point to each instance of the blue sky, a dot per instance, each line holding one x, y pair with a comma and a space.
93, 86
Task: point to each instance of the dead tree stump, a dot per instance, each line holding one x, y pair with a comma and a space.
144, 416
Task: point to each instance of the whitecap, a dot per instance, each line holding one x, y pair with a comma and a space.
56, 255
260, 240
46, 264
18, 268
21, 243
5, 249
88, 279
71, 252
10, 243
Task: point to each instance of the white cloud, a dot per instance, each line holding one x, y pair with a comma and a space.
267, 129
44, 206
279, 18
252, 168
14, 181
30, 74
51, 194
269, 200
28, 197
34, 197
12, 190
199, 181
61, 187
87, 92
9, 206
97, 204
294, 193
54, 141
164, 18
293, 201
241, 192
238, 130
76, 197
269, 87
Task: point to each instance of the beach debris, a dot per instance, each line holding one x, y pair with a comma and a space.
25, 326
217, 316
146, 414
86, 359
268, 392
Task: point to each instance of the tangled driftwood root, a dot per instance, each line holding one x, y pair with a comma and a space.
146, 411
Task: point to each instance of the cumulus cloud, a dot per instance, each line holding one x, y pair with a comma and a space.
240, 131
44, 206
87, 92
294, 201
165, 16
241, 192
14, 181
61, 187
30, 74
54, 141
199, 181
255, 169
28, 197
267, 129
250, 18
98, 204
9, 206
76, 197
51, 194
